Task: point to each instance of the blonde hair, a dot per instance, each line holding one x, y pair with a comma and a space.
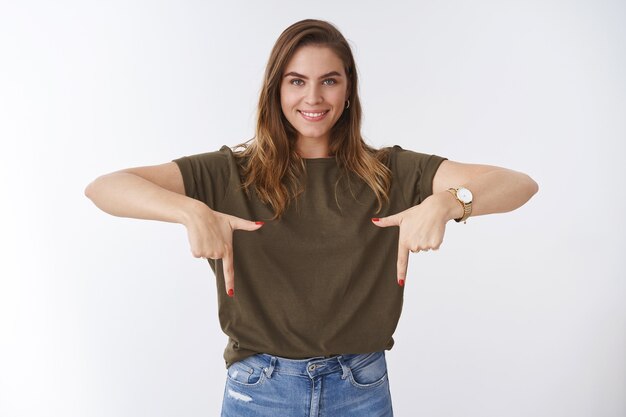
269, 161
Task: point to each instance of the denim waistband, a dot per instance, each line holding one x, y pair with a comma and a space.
311, 367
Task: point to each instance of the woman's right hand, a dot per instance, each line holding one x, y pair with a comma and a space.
210, 235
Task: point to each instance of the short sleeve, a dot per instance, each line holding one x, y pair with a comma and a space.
206, 175
414, 173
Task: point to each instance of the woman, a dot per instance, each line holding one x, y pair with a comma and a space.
315, 306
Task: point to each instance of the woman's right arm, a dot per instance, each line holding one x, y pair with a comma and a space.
157, 192
152, 192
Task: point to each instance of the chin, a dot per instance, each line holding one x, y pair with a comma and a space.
312, 135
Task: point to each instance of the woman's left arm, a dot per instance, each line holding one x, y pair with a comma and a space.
494, 189
422, 227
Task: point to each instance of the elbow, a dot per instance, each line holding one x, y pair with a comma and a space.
90, 189
533, 187
87, 191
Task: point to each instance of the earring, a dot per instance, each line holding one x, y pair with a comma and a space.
347, 105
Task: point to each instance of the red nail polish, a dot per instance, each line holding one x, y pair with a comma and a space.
401, 283
231, 292
259, 222
375, 219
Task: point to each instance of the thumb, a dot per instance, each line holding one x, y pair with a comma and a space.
238, 223
393, 220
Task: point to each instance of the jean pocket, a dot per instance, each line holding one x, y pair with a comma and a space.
244, 373
369, 371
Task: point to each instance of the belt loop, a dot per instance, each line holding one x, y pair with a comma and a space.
345, 368
270, 369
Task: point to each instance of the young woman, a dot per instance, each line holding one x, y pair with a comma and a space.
306, 294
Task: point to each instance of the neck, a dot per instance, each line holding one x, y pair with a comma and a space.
312, 148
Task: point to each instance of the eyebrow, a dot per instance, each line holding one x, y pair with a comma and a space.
295, 74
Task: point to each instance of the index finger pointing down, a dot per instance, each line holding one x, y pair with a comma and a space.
229, 272
403, 264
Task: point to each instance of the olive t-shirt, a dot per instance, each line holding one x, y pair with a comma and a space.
321, 280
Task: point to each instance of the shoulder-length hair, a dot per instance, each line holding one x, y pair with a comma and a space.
269, 161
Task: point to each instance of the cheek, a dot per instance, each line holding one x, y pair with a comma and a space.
286, 101
338, 96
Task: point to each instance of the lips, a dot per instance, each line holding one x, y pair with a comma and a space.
313, 115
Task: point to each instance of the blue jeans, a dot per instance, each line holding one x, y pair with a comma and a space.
346, 385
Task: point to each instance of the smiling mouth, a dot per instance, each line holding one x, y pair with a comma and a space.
313, 116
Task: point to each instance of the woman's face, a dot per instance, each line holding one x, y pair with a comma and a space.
313, 92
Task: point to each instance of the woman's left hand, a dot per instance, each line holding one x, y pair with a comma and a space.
421, 228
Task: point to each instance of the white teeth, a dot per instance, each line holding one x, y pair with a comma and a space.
313, 114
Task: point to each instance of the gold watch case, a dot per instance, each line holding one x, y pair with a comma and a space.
465, 198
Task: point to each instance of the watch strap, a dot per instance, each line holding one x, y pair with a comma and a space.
467, 207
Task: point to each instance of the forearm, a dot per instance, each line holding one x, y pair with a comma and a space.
497, 191
124, 194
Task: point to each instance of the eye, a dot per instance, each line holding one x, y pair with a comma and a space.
332, 80
296, 79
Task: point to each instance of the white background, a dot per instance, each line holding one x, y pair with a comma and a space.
109, 316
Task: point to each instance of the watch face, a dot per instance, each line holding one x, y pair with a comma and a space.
464, 195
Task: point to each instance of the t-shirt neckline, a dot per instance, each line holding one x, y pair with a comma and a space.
331, 158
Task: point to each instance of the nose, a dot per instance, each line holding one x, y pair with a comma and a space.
314, 95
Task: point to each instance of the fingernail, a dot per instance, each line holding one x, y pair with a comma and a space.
401, 283
375, 219
259, 222
231, 292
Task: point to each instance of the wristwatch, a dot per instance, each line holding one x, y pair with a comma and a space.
463, 196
